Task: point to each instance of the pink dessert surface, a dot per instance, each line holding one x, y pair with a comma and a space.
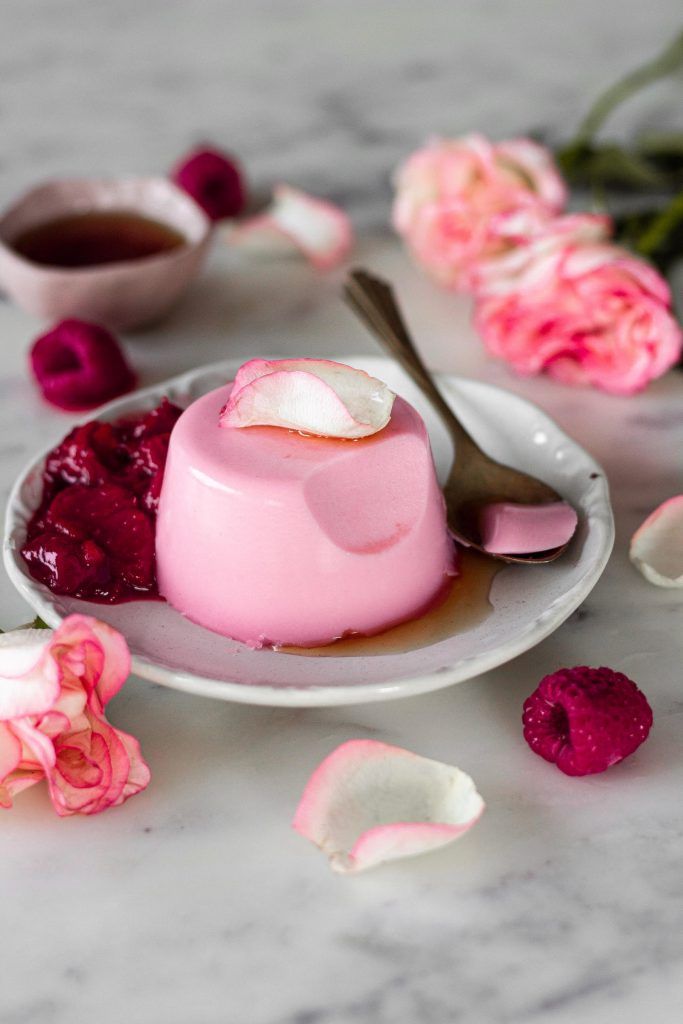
93, 533
270, 537
512, 529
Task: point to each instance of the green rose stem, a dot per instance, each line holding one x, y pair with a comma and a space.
667, 63
658, 161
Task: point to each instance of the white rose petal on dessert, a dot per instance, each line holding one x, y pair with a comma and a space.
369, 802
297, 222
315, 396
657, 546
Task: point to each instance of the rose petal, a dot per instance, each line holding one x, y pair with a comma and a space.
29, 677
657, 546
297, 221
10, 751
369, 802
94, 652
316, 396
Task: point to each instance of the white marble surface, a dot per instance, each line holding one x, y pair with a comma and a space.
195, 903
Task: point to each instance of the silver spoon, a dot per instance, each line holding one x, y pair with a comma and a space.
475, 479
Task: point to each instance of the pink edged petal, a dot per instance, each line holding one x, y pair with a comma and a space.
10, 751
92, 654
657, 546
370, 802
36, 747
315, 396
16, 782
95, 768
297, 221
139, 775
29, 678
117, 661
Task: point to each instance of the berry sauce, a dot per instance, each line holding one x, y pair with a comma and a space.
92, 535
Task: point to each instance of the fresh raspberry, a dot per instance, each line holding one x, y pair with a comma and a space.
214, 180
79, 365
586, 719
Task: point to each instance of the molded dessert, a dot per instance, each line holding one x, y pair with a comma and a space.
271, 537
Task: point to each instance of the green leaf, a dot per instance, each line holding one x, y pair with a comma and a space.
609, 166
656, 234
38, 623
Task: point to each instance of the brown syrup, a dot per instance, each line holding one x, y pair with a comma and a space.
464, 606
91, 239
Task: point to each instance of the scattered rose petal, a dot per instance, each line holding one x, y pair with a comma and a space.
294, 222
214, 180
79, 365
29, 680
316, 396
369, 802
657, 546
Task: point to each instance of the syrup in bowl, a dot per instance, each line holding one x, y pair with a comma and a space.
94, 238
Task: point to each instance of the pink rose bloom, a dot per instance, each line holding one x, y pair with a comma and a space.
528, 239
54, 686
585, 314
451, 194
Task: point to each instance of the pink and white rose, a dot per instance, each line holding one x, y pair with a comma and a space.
54, 686
585, 313
452, 194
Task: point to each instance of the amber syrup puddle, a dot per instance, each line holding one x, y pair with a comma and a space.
465, 604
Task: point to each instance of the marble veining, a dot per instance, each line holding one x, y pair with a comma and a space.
196, 903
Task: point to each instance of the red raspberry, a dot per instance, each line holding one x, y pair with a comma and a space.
586, 719
79, 365
214, 180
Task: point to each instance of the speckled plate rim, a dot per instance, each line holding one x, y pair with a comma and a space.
596, 508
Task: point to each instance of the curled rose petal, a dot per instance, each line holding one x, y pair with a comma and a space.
369, 802
657, 546
79, 365
296, 221
94, 652
316, 396
29, 677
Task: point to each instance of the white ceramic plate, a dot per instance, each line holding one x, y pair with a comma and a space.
529, 602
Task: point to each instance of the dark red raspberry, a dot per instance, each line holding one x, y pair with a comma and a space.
586, 719
79, 365
214, 181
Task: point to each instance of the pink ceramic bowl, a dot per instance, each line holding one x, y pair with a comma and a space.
119, 295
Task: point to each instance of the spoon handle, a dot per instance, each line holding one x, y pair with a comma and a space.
373, 301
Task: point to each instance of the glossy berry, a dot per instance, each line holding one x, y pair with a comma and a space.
79, 365
586, 719
214, 181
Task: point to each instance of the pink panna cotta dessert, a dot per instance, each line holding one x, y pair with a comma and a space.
276, 536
